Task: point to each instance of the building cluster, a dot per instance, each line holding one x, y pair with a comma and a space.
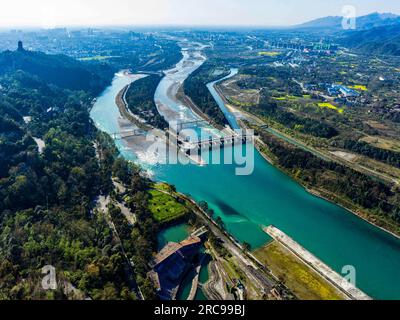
341, 91
171, 264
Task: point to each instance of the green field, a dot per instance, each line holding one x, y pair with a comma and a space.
239, 103
165, 208
269, 53
97, 58
287, 97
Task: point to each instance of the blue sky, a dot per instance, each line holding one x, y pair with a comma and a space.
56, 13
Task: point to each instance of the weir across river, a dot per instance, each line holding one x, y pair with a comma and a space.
127, 134
188, 145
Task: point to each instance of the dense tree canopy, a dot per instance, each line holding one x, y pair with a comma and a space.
195, 87
47, 198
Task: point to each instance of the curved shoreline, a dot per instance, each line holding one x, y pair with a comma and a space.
120, 101
359, 215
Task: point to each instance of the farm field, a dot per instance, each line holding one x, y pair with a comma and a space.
330, 106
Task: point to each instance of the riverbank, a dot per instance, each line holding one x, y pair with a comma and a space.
349, 289
305, 283
383, 224
378, 221
123, 108
182, 97
367, 217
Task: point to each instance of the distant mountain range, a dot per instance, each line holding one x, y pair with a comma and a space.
380, 40
334, 23
376, 33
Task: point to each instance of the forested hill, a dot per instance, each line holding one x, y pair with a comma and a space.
376, 33
366, 22
380, 40
59, 70
47, 198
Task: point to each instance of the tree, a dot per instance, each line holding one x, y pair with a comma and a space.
121, 170
220, 222
148, 290
171, 189
246, 246
203, 205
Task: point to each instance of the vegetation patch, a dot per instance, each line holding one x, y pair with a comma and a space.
301, 279
195, 87
383, 143
239, 103
165, 208
269, 53
140, 99
98, 58
359, 87
288, 97
330, 106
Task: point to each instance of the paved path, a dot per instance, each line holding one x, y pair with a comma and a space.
215, 286
102, 205
195, 282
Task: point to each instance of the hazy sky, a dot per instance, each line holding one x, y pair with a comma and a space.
56, 13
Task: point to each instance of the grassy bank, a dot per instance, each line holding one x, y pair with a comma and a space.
304, 282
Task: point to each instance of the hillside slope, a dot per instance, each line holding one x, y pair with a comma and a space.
59, 70
334, 23
381, 40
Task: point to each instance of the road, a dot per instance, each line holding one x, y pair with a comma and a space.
102, 205
215, 288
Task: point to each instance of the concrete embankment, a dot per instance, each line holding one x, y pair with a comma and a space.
195, 282
308, 258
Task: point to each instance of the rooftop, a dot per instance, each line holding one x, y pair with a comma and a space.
172, 247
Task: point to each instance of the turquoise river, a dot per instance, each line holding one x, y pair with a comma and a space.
246, 203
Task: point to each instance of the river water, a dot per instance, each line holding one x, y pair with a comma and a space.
228, 115
246, 203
